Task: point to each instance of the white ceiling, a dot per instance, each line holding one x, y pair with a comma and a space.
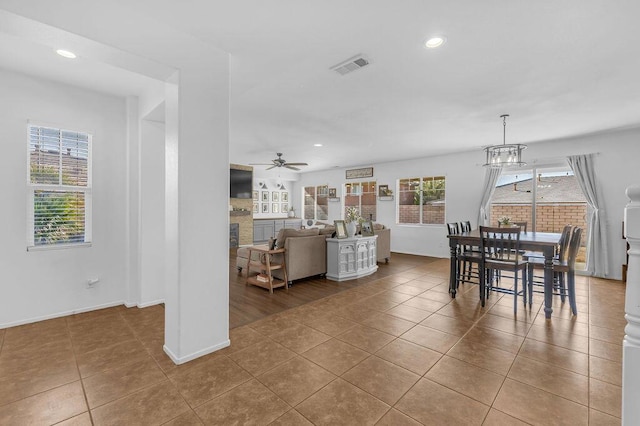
559, 68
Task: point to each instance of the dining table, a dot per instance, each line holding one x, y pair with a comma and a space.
541, 242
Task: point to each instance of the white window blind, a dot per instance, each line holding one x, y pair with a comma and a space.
59, 187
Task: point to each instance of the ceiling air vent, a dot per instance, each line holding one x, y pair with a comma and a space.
350, 65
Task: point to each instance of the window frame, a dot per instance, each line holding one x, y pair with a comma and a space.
421, 203
373, 184
32, 188
317, 193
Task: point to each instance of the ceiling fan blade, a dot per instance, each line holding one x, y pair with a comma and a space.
297, 164
269, 168
289, 166
260, 164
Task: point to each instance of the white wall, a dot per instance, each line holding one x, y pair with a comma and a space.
616, 168
41, 284
152, 214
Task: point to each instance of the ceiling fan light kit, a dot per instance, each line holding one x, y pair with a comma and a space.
504, 155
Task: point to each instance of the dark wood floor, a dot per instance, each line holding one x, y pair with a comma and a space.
248, 303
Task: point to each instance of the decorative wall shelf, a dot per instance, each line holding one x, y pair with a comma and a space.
239, 213
334, 199
386, 198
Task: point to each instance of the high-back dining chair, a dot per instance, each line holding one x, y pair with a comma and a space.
500, 251
465, 258
564, 271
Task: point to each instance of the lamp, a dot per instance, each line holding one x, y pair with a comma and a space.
505, 154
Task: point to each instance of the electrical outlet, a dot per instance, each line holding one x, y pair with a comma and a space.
91, 282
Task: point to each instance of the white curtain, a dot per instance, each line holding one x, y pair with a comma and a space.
597, 255
490, 179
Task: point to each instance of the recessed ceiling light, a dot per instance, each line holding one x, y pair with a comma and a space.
434, 42
66, 54
317, 144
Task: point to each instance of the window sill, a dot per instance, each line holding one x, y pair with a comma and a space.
58, 246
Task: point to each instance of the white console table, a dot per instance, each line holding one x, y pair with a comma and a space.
351, 258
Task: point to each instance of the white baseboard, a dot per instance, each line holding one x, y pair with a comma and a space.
61, 314
177, 360
150, 303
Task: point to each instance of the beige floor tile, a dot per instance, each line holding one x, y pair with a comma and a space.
498, 418
608, 335
296, 379
241, 338
190, 418
112, 356
410, 356
249, 404
156, 404
409, 313
524, 315
262, 356
331, 324
342, 403
382, 379
300, 338
379, 303
483, 356
113, 384
605, 397
430, 338
615, 322
366, 338
610, 351
433, 404
358, 314
477, 383
424, 304
563, 325
30, 378
437, 296
597, 418
395, 296
336, 356
556, 380
455, 326
389, 324
208, 379
271, 325
457, 310
605, 370
535, 406
291, 418
559, 338
83, 419
48, 407
409, 289
507, 325
577, 362
396, 418
495, 338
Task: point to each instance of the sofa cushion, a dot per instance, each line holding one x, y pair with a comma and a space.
290, 232
378, 226
328, 230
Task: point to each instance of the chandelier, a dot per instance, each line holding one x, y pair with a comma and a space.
506, 154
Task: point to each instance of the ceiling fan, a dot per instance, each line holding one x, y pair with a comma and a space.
280, 162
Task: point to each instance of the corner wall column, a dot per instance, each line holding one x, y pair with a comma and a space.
631, 343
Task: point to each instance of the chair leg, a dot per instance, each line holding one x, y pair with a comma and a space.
482, 277
515, 293
571, 284
530, 286
561, 286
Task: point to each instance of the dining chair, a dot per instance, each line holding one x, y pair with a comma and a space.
468, 274
560, 253
500, 251
465, 258
564, 271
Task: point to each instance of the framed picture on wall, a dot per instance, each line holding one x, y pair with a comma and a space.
275, 196
285, 197
265, 196
275, 208
265, 207
256, 208
332, 193
284, 207
255, 195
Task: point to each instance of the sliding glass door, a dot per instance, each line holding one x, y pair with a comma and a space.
546, 198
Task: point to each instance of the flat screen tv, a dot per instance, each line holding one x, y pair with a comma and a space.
241, 183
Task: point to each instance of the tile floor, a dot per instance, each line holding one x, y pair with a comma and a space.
396, 351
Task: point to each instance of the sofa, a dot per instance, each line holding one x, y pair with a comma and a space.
306, 251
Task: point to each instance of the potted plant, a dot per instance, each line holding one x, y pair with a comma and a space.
504, 221
352, 218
